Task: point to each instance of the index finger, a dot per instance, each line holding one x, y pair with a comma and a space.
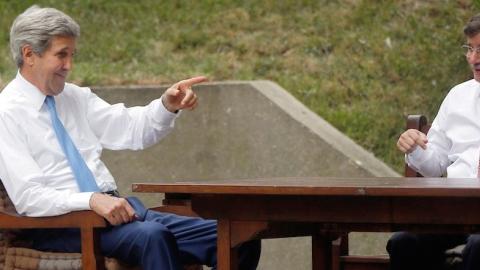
185, 84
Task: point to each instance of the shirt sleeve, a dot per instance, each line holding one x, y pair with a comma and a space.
433, 161
25, 181
118, 127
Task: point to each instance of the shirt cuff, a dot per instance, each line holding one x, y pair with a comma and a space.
79, 201
417, 157
161, 115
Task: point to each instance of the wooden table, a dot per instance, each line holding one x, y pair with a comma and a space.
324, 207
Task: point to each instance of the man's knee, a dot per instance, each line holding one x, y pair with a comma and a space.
155, 233
402, 242
474, 240
473, 244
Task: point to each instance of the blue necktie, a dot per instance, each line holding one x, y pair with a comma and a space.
85, 179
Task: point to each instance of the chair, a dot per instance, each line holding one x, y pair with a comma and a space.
18, 255
340, 258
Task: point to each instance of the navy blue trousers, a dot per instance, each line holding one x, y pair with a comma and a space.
427, 251
155, 241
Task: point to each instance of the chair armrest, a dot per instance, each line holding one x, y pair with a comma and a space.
76, 219
418, 122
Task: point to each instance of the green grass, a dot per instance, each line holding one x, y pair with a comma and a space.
361, 65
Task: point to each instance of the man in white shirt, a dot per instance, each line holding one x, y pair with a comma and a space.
40, 176
451, 148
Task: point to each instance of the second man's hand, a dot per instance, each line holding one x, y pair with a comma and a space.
181, 96
409, 140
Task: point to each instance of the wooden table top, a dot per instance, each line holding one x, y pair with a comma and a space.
327, 186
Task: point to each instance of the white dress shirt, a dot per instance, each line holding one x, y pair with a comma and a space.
453, 147
33, 167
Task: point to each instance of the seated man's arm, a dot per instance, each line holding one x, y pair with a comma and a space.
427, 154
118, 127
432, 159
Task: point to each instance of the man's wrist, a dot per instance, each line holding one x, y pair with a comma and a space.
92, 199
168, 108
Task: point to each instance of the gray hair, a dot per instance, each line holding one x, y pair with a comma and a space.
36, 27
472, 28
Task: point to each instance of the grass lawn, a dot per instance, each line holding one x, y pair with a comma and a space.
361, 65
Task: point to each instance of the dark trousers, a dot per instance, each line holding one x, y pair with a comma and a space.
155, 241
427, 251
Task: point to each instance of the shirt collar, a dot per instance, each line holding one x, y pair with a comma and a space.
32, 94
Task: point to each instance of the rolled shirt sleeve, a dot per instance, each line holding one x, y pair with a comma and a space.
118, 127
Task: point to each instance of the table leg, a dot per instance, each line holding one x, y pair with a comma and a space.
321, 252
226, 255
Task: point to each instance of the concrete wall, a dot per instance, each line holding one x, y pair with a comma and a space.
246, 130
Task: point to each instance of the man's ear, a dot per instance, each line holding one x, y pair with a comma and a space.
27, 55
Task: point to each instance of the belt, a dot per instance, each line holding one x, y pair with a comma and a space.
113, 193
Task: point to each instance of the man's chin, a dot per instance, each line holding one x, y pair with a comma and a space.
58, 88
476, 75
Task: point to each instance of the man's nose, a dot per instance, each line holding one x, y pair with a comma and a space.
68, 64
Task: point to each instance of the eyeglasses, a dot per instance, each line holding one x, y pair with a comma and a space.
469, 50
